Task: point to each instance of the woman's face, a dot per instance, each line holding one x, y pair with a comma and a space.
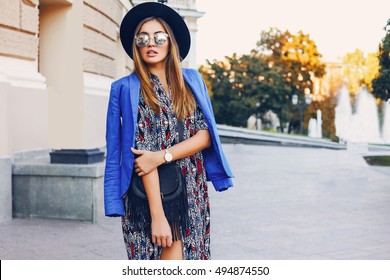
153, 54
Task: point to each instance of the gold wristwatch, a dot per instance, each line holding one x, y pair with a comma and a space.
168, 156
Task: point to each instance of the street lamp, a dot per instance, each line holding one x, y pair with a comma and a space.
258, 120
302, 105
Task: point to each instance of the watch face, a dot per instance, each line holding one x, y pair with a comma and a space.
168, 157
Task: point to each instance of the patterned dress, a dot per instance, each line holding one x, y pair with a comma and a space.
155, 132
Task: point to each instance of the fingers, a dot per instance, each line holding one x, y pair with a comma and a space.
163, 241
154, 239
158, 241
169, 241
137, 163
137, 152
140, 172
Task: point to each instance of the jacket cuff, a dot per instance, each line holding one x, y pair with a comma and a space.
114, 208
223, 184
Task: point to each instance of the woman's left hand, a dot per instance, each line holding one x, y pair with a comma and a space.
146, 161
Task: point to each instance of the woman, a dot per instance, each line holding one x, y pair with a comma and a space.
145, 114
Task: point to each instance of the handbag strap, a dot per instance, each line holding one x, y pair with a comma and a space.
180, 125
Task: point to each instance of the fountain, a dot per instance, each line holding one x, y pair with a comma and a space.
362, 126
343, 114
312, 128
315, 126
365, 122
386, 122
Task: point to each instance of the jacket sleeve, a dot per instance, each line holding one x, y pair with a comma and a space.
112, 177
218, 169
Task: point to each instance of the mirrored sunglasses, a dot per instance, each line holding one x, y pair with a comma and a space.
142, 40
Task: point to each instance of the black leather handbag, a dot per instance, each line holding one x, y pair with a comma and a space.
171, 179
173, 195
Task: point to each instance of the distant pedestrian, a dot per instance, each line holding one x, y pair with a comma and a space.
147, 112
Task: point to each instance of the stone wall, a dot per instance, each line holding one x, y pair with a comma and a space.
19, 29
23, 111
101, 24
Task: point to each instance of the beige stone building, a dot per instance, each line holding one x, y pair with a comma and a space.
57, 61
330, 83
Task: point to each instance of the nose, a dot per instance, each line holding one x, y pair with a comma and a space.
151, 42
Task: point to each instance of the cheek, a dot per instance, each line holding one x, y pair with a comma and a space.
166, 49
142, 51
168, 45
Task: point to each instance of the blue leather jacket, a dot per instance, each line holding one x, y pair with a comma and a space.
120, 137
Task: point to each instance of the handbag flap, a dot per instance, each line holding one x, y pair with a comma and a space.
168, 177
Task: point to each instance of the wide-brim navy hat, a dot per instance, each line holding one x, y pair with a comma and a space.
154, 9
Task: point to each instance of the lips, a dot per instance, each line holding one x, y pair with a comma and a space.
151, 53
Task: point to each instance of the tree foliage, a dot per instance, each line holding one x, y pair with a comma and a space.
298, 57
243, 85
266, 79
327, 107
290, 48
359, 70
381, 84
296, 54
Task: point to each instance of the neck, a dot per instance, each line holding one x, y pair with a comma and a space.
159, 71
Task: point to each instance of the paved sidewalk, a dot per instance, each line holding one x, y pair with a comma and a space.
287, 203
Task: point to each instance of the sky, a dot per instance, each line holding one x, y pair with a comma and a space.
336, 26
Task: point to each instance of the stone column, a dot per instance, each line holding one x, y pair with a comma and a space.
78, 57
193, 27
61, 62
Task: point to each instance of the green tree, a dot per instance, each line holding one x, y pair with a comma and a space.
381, 84
243, 85
282, 65
298, 57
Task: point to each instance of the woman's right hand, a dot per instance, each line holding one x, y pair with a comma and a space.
161, 231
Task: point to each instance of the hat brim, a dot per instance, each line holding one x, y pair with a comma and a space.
154, 9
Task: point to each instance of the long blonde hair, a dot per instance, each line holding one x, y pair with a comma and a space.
182, 98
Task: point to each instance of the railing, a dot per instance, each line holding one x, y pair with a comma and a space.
229, 134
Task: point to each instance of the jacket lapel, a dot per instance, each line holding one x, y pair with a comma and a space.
134, 85
194, 88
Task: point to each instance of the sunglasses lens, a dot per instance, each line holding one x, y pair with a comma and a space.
160, 39
142, 40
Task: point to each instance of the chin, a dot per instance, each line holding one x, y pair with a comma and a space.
153, 61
